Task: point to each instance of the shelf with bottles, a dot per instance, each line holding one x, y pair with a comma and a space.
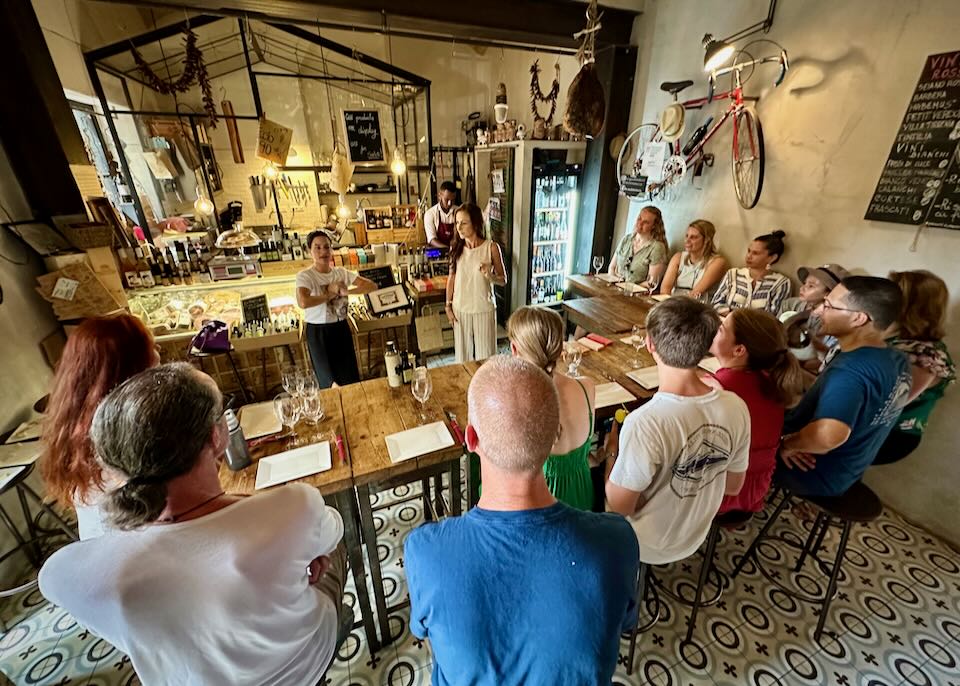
390, 217
551, 226
549, 259
555, 192
559, 241
545, 289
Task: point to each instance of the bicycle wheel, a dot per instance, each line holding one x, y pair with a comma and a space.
747, 159
630, 159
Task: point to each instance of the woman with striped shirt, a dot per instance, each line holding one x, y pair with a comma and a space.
755, 286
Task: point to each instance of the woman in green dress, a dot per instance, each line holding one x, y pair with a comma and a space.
641, 255
536, 335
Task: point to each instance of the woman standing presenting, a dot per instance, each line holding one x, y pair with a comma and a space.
322, 294
698, 269
642, 255
476, 265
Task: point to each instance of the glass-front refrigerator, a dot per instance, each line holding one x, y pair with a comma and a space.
555, 198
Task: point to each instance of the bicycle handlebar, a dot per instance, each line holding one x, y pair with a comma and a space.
780, 59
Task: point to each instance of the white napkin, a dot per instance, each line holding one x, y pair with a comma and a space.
648, 377
259, 420
609, 278
711, 364
660, 297
612, 394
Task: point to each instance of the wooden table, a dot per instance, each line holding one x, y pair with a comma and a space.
587, 285
335, 483
373, 411
608, 315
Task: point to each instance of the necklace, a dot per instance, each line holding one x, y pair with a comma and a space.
174, 518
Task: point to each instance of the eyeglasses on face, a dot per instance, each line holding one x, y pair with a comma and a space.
827, 305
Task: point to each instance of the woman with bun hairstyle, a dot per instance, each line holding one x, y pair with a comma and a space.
101, 354
536, 335
755, 285
755, 363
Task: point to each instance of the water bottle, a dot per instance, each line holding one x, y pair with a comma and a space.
238, 456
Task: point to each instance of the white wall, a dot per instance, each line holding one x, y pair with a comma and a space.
828, 129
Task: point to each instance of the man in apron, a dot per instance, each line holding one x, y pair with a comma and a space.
438, 220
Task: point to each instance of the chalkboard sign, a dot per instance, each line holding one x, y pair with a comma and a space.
255, 308
382, 276
364, 138
920, 182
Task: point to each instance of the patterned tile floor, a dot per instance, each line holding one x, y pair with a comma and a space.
896, 620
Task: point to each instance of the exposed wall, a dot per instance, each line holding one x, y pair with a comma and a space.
828, 129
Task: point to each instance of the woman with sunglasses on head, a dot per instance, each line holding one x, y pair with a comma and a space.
920, 332
100, 354
641, 255
699, 268
755, 285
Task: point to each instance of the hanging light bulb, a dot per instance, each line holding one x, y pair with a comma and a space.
202, 206
270, 171
342, 210
398, 166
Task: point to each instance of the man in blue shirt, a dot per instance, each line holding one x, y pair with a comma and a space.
834, 433
522, 589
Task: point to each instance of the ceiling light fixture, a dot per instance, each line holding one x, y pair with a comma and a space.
716, 52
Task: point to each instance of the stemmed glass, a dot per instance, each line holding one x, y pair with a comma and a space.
652, 283
312, 408
421, 386
307, 383
287, 408
639, 342
574, 354
288, 376
597, 264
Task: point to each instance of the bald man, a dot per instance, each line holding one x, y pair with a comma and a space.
522, 589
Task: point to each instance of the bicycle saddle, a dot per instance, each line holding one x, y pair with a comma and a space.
674, 87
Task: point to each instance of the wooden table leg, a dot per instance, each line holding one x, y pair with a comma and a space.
373, 558
346, 503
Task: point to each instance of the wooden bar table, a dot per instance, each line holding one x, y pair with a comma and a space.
373, 411
589, 286
608, 315
335, 483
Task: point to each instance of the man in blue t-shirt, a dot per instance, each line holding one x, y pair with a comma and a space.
834, 433
522, 589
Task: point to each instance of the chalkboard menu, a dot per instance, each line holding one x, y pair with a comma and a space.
255, 309
920, 182
382, 276
364, 138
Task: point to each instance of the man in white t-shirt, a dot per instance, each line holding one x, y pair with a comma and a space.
195, 585
686, 448
438, 221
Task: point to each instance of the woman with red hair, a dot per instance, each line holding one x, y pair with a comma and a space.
102, 353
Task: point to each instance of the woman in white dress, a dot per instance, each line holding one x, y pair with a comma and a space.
100, 354
476, 266
699, 268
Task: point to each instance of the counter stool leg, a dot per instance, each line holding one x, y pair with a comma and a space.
438, 495
705, 567
347, 504
69, 530
752, 550
21, 541
455, 493
834, 575
641, 602
425, 494
31, 530
373, 558
236, 374
810, 548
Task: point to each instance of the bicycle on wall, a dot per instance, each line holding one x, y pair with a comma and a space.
650, 166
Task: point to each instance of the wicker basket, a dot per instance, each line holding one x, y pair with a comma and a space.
89, 235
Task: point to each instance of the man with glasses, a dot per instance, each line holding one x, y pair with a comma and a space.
835, 431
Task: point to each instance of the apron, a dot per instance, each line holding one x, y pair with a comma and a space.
444, 229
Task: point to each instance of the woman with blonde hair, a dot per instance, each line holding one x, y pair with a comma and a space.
755, 363
641, 255
699, 268
537, 336
920, 335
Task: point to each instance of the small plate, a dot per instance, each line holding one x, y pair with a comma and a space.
612, 394
259, 420
418, 441
648, 377
293, 464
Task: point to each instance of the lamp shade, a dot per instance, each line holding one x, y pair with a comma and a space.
715, 53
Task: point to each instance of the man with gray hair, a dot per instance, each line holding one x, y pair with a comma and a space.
195, 585
687, 447
522, 589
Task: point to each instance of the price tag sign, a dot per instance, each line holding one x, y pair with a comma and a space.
273, 142
654, 157
65, 289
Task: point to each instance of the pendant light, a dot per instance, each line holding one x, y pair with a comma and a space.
342, 210
271, 172
398, 166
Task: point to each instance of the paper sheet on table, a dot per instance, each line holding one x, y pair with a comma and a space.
711, 364
609, 278
590, 344
293, 464
419, 440
648, 377
28, 431
612, 394
19, 453
259, 420
8, 474
631, 288
629, 339
660, 297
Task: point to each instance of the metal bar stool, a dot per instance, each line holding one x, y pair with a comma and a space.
728, 520
858, 504
646, 586
200, 356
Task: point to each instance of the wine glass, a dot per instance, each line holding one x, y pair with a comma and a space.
597, 264
311, 406
421, 386
639, 342
653, 282
288, 376
307, 383
574, 358
287, 409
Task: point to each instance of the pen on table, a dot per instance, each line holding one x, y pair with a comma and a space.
340, 450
